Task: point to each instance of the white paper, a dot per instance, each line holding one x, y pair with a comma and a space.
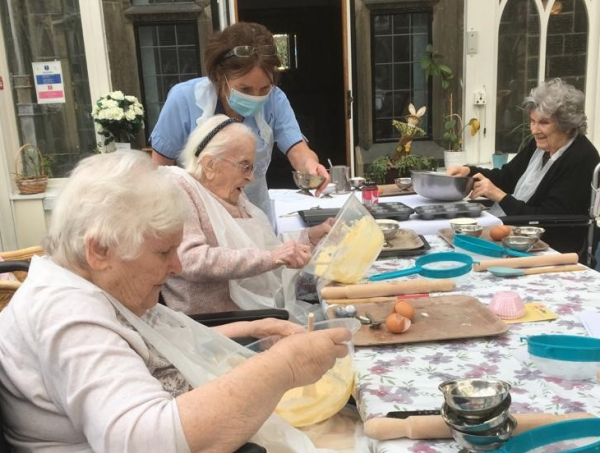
591, 322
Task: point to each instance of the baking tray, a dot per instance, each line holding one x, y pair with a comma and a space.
449, 210
448, 235
436, 319
405, 243
392, 210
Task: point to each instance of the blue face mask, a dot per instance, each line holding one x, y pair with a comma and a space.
245, 104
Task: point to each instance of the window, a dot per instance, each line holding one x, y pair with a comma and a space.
169, 54
398, 42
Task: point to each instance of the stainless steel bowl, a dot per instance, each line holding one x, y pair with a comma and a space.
529, 231
469, 230
438, 186
403, 183
328, 190
485, 425
488, 441
356, 182
474, 398
519, 243
389, 228
307, 181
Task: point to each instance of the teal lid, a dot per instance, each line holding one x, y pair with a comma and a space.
571, 348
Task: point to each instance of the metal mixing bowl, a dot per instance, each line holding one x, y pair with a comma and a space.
519, 243
389, 228
486, 442
474, 398
439, 186
403, 183
492, 422
469, 230
356, 182
307, 181
529, 231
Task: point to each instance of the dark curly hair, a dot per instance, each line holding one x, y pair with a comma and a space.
239, 34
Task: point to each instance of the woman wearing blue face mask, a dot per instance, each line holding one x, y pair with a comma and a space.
241, 62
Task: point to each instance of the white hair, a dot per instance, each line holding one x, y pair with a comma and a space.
117, 199
229, 138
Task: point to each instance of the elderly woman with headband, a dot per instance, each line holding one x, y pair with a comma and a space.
552, 175
230, 256
90, 362
241, 62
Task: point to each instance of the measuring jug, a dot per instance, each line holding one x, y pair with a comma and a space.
340, 175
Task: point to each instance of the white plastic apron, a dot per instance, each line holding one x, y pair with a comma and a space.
201, 354
257, 191
530, 180
272, 289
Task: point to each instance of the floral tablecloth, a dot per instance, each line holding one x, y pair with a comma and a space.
406, 377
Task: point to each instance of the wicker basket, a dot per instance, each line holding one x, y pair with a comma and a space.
30, 185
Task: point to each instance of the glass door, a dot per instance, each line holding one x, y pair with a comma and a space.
47, 36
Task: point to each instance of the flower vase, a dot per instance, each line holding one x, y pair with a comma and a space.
455, 158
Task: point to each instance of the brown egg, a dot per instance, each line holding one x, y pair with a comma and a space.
405, 309
499, 232
396, 323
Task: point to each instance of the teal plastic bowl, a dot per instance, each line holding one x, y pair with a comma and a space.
565, 356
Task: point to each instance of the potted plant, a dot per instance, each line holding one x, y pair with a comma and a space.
32, 177
453, 123
385, 169
118, 117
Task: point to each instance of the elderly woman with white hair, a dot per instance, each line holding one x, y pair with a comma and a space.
553, 174
230, 256
90, 362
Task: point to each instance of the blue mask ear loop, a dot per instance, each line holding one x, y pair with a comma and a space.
553, 433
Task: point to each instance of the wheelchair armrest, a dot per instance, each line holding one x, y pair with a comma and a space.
217, 319
546, 220
12, 266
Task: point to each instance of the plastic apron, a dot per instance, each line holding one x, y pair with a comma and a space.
272, 289
201, 355
257, 191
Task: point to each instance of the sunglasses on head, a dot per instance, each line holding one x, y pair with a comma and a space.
267, 50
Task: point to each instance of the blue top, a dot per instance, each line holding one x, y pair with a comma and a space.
181, 110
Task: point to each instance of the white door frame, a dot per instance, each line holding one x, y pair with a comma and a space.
347, 32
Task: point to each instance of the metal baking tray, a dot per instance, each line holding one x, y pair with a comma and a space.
392, 210
449, 211
392, 252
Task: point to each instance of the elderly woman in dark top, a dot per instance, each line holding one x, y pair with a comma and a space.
552, 175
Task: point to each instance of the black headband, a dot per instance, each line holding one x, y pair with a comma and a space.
212, 133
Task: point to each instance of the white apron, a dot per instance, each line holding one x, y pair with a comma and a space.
272, 289
257, 191
201, 354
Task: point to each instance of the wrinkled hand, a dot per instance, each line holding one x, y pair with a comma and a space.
271, 326
316, 233
310, 355
457, 170
292, 254
483, 187
317, 168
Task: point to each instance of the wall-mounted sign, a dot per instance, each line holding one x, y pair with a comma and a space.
48, 78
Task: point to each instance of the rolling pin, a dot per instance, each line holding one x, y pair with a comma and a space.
386, 289
434, 426
529, 261
377, 300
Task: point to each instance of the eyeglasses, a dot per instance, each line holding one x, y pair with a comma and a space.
247, 169
267, 50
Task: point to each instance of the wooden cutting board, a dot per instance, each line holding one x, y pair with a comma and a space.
436, 318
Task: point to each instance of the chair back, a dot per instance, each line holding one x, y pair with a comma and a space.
17, 263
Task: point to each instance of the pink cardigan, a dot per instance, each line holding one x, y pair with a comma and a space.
202, 287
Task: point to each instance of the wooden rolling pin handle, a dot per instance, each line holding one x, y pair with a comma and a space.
362, 300
547, 270
434, 427
387, 289
530, 261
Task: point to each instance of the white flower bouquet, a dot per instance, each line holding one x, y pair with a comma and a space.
118, 117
